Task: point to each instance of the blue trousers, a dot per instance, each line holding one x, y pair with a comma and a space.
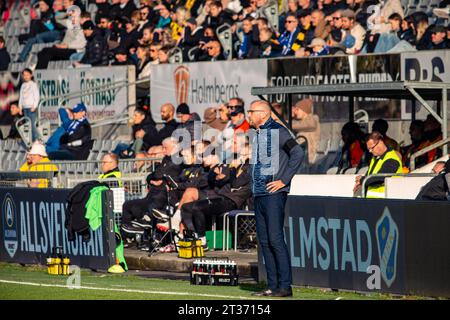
269, 215
33, 117
45, 37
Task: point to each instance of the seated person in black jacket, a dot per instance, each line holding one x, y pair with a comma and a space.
437, 189
185, 187
76, 143
144, 135
137, 210
96, 52
225, 197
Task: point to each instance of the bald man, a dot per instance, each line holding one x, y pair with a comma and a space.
167, 115
276, 158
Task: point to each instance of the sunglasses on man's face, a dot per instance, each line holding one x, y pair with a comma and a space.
291, 21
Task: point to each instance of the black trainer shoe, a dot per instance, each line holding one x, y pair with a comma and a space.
283, 292
264, 293
144, 222
160, 214
132, 229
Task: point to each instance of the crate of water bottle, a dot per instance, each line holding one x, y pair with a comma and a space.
214, 271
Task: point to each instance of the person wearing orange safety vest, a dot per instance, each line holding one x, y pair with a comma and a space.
384, 160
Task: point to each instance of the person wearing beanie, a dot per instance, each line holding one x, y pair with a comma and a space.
190, 122
306, 125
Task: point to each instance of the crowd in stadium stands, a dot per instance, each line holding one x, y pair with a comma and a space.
117, 32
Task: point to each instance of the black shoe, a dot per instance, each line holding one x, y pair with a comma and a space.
132, 229
264, 293
144, 222
160, 214
282, 293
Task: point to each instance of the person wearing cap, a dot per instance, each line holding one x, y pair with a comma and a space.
76, 142
318, 47
306, 124
73, 42
96, 53
189, 121
334, 42
439, 38
354, 29
38, 161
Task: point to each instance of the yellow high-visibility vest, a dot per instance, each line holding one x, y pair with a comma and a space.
112, 174
374, 168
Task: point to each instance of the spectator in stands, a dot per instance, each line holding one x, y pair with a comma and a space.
384, 160
382, 126
288, 37
96, 53
318, 47
121, 58
110, 170
292, 7
269, 47
250, 39
354, 29
73, 42
379, 20
37, 161
217, 16
422, 31
214, 125
130, 38
164, 54
170, 124
154, 52
190, 123
191, 37
147, 37
306, 124
144, 136
5, 59
84, 17
432, 134
115, 10
352, 154
320, 25
237, 117
334, 42
29, 100
76, 143
418, 142
46, 29
439, 38
103, 8
66, 117
164, 17
213, 51
437, 189
143, 71
306, 33
16, 114
126, 8
407, 32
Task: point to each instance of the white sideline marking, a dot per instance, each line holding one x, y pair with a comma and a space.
130, 290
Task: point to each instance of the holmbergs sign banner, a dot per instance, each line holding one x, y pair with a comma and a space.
395, 246
112, 102
32, 224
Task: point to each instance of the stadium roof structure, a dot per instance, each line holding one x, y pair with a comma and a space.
407, 90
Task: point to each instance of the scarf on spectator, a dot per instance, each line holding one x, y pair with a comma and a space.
74, 125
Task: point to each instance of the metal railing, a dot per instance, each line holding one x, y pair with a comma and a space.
372, 177
435, 145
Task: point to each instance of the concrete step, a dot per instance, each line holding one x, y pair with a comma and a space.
247, 262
